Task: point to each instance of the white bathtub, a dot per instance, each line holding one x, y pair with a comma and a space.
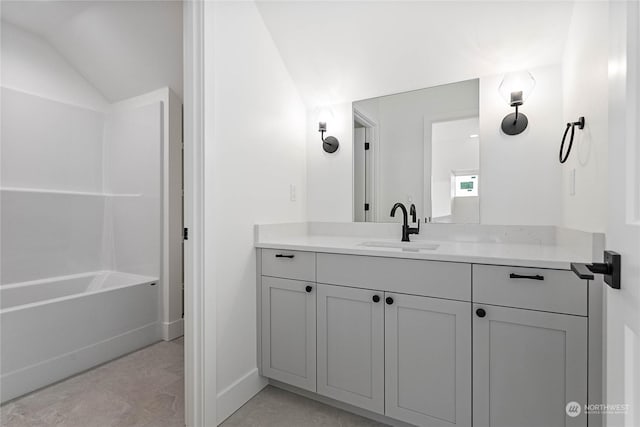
53, 328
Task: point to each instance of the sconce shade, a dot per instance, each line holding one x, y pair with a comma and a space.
515, 88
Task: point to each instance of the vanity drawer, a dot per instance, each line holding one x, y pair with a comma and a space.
417, 277
297, 265
558, 291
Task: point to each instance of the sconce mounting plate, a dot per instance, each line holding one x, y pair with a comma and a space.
330, 144
511, 126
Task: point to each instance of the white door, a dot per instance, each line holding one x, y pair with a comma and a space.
289, 331
428, 360
351, 346
526, 365
622, 307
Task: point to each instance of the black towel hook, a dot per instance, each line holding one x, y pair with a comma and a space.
572, 126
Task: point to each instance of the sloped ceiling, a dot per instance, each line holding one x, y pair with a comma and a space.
340, 51
124, 48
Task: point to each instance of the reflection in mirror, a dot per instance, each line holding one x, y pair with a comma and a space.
422, 148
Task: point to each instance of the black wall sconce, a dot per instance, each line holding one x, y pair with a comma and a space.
330, 144
515, 88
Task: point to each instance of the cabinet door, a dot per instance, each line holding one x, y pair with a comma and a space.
289, 331
527, 366
351, 346
428, 360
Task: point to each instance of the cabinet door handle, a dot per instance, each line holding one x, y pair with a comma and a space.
376, 298
481, 312
520, 276
284, 256
308, 288
389, 300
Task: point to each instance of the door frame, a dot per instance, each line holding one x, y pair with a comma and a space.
200, 301
372, 127
427, 158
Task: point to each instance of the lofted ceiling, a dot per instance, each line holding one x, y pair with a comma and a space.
340, 51
123, 48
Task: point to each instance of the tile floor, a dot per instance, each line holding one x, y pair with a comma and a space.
142, 389
145, 389
273, 407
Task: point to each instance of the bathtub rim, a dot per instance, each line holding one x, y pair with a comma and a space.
142, 280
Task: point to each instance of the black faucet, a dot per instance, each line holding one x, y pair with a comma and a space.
406, 230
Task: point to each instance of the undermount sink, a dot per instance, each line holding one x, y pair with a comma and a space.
405, 246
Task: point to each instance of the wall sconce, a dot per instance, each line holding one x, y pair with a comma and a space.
515, 88
330, 144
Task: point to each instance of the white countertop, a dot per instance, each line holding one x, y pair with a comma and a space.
538, 254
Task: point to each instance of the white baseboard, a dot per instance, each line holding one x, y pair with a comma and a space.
172, 330
237, 394
30, 378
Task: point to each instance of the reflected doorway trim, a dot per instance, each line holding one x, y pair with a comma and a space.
200, 326
428, 158
371, 124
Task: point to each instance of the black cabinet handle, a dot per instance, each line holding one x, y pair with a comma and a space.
481, 312
308, 288
520, 276
376, 298
284, 256
389, 300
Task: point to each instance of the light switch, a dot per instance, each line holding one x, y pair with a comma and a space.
572, 182
292, 192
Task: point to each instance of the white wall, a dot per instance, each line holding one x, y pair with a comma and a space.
254, 150
330, 176
521, 176
31, 65
585, 91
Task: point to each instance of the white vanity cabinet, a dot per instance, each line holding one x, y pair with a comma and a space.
288, 320
528, 364
351, 346
428, 343
428, 360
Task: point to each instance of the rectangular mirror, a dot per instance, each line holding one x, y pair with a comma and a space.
419, 147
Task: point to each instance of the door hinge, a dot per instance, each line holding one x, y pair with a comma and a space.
366, 206
185, 234
367, 146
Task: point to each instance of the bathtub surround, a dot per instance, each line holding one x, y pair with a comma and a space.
78, 198
171, 198
31, 66
87, 191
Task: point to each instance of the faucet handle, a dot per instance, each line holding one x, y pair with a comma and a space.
415, 230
